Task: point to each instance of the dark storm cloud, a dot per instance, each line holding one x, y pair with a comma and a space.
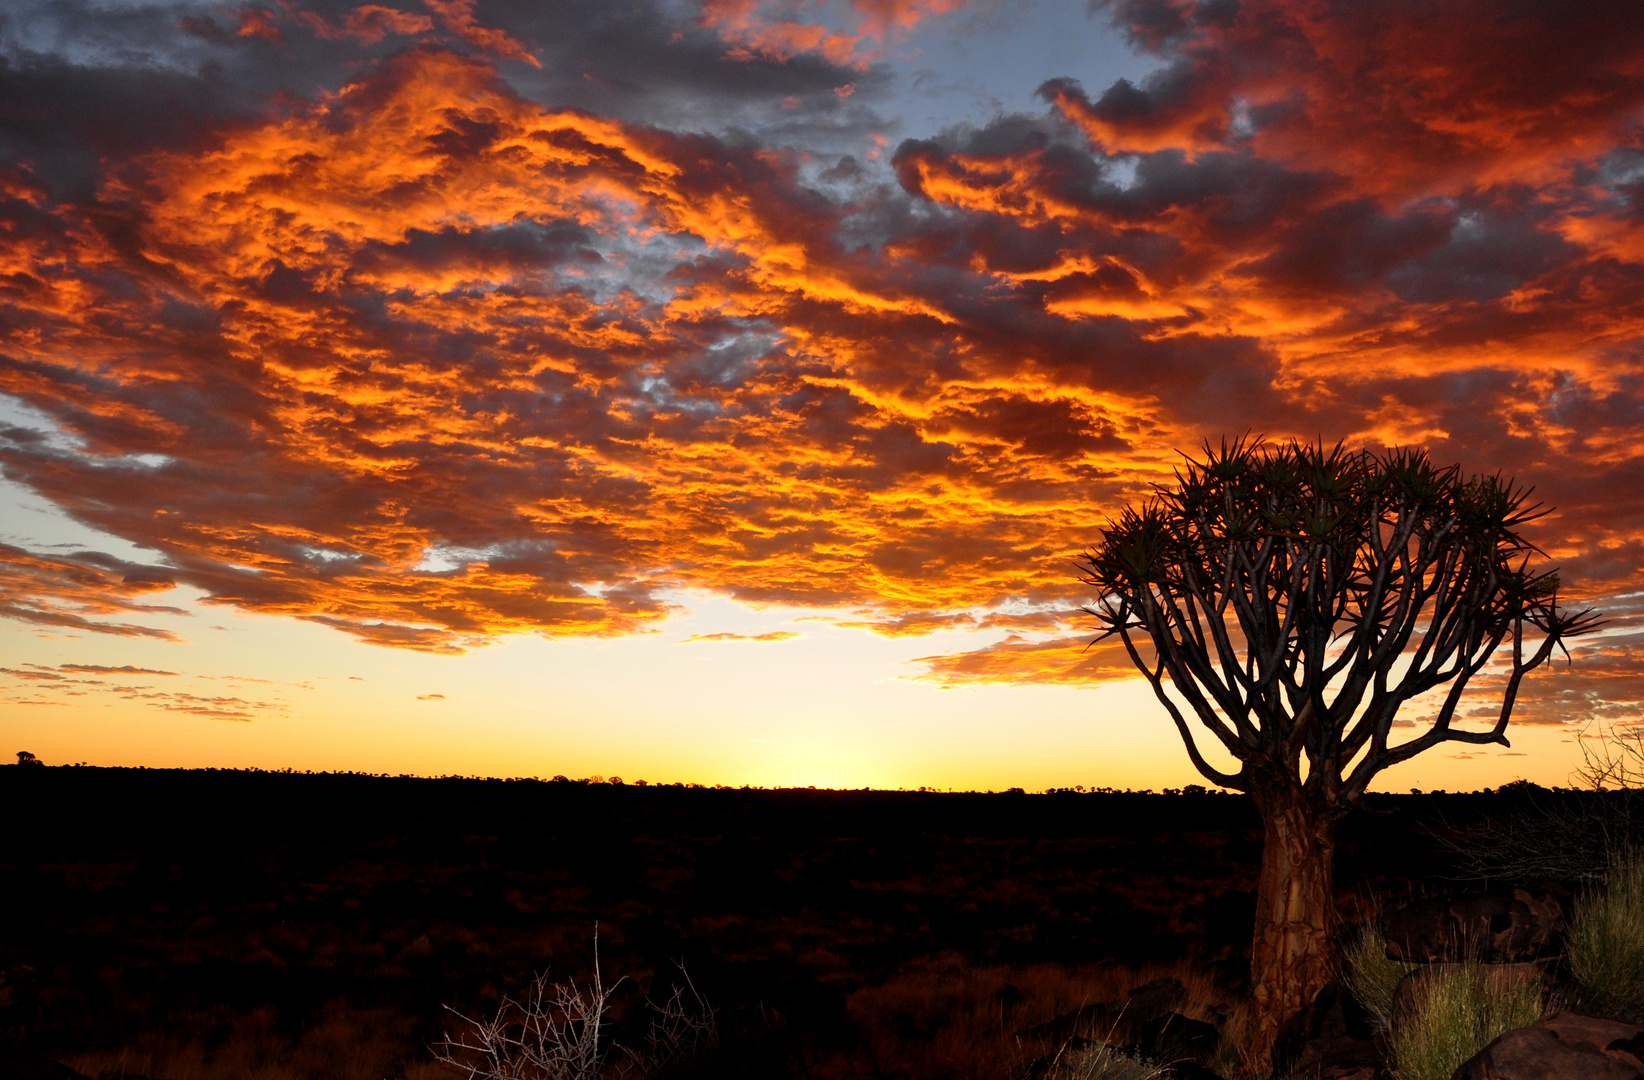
67, 120
84, 85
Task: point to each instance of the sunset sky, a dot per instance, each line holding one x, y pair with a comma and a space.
720, 392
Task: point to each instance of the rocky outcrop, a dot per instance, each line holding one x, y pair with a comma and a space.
1331, 1039
1340, 1059
1566, 1046
1117, 1023
1145, 1025
1187, 1070
1086, 1022
1174, 1038
1150, 1001
1497, 926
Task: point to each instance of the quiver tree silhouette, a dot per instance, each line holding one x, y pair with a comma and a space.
1295, 599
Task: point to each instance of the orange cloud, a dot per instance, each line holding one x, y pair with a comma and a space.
748, 27
774, 635
880, 17
69, 592
43, 687
458, 17
430, 362
1020, 661
103, 669
1408, 99
400, 188
368, 24
259, 23
372, 22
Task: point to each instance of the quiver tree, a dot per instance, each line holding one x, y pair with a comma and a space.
1292, 600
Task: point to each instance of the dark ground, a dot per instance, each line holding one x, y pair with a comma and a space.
142, 901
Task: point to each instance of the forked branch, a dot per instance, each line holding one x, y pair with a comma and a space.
1296, 598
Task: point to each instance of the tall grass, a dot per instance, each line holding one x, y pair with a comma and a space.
1370, 976
1606, 942
1455, 1011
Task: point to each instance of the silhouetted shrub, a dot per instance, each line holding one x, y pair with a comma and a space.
559, 1031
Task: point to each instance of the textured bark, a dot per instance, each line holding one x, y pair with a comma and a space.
1293, 955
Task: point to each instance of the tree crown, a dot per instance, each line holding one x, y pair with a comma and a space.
1298, 596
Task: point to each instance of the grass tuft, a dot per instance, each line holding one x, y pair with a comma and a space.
1455, 1012
1370, 976
1606, 942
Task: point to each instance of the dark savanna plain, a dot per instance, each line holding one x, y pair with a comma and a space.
224, 923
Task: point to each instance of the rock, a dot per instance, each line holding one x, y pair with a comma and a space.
1565, 1046
1097, 1020
1139, 1019
1150, 1027
1174, 1038
1187, 1070
1173, 1070
1331, 1038
1145, 1025
1067, 1055
1498, 926
1334, 1015
1351, 1072
1153, 1000
1340, 1058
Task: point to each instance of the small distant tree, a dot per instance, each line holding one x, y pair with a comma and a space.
1296, 599
26, 758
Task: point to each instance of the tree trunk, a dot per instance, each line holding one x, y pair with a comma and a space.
1293, 955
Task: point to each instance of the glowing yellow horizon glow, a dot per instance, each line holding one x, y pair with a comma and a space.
828, 707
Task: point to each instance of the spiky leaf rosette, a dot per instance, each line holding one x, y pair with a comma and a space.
1297, 597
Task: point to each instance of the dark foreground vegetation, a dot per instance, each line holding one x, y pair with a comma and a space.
194, 925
